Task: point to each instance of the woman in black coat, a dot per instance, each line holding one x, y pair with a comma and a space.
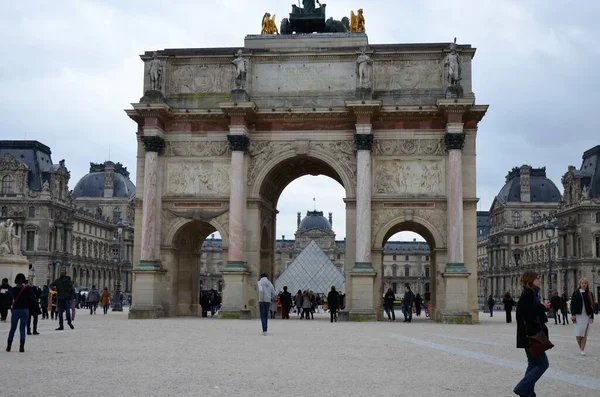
531, 319
509, 303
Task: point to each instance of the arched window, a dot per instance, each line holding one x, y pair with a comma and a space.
426, 287
31, 212
4, 211
536, 217
116, 214
7, 184
516, 219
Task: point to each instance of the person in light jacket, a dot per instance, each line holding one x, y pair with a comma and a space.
582, 313
266, 292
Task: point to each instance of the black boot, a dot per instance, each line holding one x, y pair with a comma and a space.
8, 346
22, 347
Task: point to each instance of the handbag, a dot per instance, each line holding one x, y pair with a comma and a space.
539, 343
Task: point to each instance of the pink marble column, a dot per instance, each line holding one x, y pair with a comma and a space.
455, 139
238, 142
154, 145
364, 143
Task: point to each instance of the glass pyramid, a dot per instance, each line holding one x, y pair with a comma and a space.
311, 270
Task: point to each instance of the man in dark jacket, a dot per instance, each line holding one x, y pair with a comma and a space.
5, 299
407, 303
286, 303
555, 304
491, 304
388, 304
93, 297
333, 303
65, 290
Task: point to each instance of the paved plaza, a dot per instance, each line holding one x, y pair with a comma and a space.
110, 355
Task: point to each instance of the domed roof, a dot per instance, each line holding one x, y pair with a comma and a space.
314, 220
541, 188
92, 184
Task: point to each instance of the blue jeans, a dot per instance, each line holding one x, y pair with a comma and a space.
64, 305
264, 314
535, 369
408, 314
18, 314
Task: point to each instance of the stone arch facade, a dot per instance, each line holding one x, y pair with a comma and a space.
217, 158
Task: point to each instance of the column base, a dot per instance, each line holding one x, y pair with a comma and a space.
358, 316
455, 317
363, 290
149, 265
148, 285
244, 314
456, 267
146, 313
236, 303
235, 266
362, 267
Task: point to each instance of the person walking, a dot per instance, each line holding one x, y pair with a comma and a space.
491, 304
273, 307
52, 304
531, 319
93, 297
266, 293
582, 313
74, 303
44, 302
23, 297
333, 303
564, 309
555, 305
5, 299
286, 303
105, 300
418, 303
509, 303
388, 304
65, 289
306, 305
407, 303
34, 310
298, 302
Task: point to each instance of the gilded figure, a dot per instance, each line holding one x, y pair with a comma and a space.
268, 24
357, 21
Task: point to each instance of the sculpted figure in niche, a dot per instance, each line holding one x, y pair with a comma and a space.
364, 69
453, 63
155, 73
585, 193
241, 68
10, 242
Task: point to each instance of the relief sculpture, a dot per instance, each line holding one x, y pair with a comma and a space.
262, 151
398, 75
409, 177
344, 154
197, 178
190, 79
197, 149
394, 147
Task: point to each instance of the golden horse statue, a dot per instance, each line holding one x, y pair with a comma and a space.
357, 22
268, 25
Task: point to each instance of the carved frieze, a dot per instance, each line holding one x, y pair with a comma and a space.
262, 151
197, 149
197, 178
343, 152
192, 79
437, 218
409, 74
399, 147
409, 177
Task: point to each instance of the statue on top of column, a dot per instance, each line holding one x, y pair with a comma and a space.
364, 63
453, 66
241, 69
155, 73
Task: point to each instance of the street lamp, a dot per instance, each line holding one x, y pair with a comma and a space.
117, 304
550, 231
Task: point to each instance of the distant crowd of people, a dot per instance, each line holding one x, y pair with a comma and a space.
409, 301
56, 301
210, 301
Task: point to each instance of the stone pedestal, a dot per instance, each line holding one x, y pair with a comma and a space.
239, 95
365, 93
457, 296
153, 96
147, 294
235, 293
363, 291
11, 265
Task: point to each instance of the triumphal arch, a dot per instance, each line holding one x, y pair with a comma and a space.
222, 131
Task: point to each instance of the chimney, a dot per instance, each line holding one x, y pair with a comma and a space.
283, 237
109, 179
299, 219
331, 218
525, 184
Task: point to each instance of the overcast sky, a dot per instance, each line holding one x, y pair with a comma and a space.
69, 68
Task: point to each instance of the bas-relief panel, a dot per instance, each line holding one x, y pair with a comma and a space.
193, 79
197, 148
418, 74
392, 147
198, 178
304, 76
400, 177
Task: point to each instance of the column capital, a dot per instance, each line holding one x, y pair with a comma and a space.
238, 142
153, 143
454, 141
363, 141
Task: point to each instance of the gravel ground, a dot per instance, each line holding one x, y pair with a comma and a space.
110, 355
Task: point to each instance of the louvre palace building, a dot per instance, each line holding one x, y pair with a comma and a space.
88, 230
532, 226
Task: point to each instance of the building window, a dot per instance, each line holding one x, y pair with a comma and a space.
7, 184
116, 214
536, 217
426, 257
597, 217
395, 287
339, 256
598, 247
406, 258
517, 239
517, 259
406, 271
290, 256
4, 211
30, 240
516, 219
426, 272
394, 257
32, 212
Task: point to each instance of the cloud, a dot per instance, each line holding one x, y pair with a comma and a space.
71, 67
